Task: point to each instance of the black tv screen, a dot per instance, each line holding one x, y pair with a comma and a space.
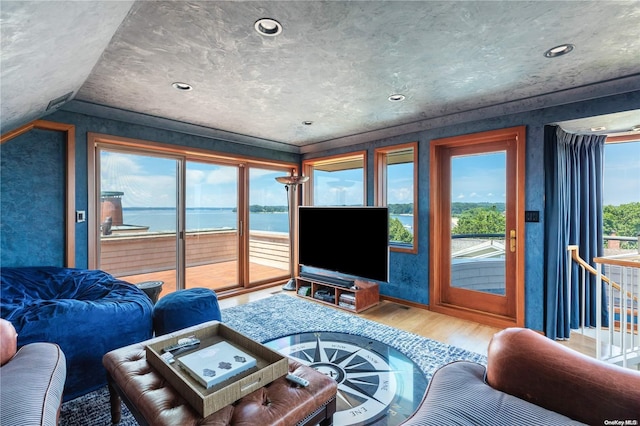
345, 240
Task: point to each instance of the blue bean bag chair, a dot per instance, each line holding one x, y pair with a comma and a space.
86, 312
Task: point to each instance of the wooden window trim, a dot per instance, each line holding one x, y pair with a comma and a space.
95, 140
309, 165
380, 187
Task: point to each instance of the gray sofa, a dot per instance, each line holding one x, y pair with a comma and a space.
530, 380
32, 380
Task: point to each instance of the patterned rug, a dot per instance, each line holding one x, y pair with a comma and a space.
282, 315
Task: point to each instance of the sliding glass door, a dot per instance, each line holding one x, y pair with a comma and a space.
187, 220
268, 226
157, 221
138, 214
212, 231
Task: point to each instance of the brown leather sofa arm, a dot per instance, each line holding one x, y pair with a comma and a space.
532, 367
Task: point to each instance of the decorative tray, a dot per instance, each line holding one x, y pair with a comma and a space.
270, 365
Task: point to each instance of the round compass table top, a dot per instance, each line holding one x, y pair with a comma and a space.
377, 384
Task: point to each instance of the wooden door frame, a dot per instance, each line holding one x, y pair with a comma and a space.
438, 231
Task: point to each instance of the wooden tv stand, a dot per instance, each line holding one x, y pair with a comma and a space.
356, 300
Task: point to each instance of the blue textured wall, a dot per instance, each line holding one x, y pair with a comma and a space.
32, 199
409, 273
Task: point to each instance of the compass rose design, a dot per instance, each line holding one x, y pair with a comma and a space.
377, 385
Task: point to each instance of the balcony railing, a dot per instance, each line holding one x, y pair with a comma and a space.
616, 342
147, 256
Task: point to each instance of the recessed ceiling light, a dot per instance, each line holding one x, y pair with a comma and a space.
397, 97
185, 87
268, 27
560, 50
598, 129
307, 122
636, 128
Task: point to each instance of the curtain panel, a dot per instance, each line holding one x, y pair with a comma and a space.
573, 216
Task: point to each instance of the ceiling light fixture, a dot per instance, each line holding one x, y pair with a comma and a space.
598, 129
397, 97
560, 50
268, 27
307, 122
185, 87
636, 128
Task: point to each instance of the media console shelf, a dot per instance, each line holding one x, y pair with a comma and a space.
364, 296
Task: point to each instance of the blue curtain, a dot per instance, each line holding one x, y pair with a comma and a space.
573, 215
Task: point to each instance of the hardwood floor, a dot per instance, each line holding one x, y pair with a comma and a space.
462, 333
466, 334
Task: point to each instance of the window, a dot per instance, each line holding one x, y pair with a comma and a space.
621, 197
159, 212
396, 188
335, 181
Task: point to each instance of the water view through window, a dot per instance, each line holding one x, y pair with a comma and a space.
142, 214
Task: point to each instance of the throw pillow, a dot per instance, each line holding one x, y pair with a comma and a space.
8, 341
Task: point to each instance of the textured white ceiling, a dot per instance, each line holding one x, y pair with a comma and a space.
335, 63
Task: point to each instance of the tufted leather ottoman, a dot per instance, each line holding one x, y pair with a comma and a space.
153, 401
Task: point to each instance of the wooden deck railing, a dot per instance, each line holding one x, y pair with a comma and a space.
133, 254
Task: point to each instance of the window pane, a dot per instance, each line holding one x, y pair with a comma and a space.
339, 182
478, 224
211, 221
621, 198
400, 195
268, 226
395, 179
138, 217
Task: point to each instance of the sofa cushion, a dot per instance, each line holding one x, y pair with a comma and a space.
32, 384
8, 341
458, 395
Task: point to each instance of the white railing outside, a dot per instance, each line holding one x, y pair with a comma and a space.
618, 343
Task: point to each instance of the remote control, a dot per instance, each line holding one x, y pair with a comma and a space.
167, 357
298, 380
182, 343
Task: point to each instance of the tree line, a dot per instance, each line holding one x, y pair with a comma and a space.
489, 218
624, 219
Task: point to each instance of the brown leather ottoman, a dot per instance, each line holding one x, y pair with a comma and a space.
153, 401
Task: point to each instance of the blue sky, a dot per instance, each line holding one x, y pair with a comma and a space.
150, 181
479, 178
621, 173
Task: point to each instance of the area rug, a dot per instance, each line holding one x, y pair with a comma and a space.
283, 315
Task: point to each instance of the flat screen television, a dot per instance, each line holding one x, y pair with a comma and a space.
345, 240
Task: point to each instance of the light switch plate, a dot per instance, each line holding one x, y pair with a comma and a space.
532, 216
